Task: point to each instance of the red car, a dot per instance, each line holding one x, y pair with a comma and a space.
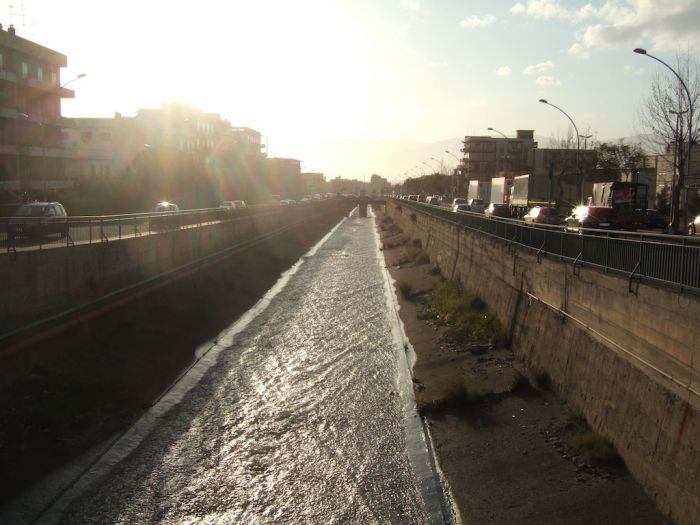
599, 217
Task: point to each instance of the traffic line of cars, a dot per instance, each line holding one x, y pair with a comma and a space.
581, 218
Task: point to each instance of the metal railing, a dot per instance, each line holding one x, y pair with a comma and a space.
36, 233
670, 260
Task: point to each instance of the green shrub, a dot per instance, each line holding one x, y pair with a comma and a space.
467, 314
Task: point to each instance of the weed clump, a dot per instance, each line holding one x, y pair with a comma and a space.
457, 397
587, 442
435, 270
405, 288
416, 253
466, 314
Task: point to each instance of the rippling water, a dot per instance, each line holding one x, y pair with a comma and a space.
299, 421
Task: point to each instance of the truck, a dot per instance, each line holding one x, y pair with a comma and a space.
500, 189
533, 190
479, 189
628, 200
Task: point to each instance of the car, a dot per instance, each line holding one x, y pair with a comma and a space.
433, 200
458, 200
413, 198
477, 205
461, 208
597, 217
38, 219
542, 215
655, 220
497, 209
694, 226
168, 216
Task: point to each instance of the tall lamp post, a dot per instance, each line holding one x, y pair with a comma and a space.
428, 165
455, 185
678, 115
641, 51
578, 149
504, 136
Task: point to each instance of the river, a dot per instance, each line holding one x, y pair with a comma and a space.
301, 412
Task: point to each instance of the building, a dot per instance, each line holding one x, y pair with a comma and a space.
32, 155
313, 183
283, 177
486, 157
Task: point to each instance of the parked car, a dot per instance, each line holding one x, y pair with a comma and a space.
434, 201
598, 217
477, 205
655, 220
168, 217
497, 209
458, 200
461, 208
694, 226
38, 219
542, 215
413, 198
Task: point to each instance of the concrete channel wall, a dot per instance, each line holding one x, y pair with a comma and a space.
628, 360
40, 283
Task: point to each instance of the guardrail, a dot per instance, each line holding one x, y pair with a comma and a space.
40, 232
662, 259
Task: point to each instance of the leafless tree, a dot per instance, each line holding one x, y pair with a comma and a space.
658, 116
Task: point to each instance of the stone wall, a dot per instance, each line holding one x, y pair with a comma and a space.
625, 359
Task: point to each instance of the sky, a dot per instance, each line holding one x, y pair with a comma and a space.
355, 87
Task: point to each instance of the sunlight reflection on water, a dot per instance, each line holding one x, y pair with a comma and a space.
299, 421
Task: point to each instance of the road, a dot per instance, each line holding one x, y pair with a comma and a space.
305, 415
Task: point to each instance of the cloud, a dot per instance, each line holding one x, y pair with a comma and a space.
546, 80
630, 71
477, 21
412, 5
656, 24
438, 64
579, 50
538, 68
503, 71
545, 9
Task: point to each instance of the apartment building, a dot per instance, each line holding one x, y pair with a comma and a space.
32, 155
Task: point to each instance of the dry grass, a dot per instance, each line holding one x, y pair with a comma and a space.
405, 288
457, 397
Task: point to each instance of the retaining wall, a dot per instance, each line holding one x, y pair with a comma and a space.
40, 283
625, 359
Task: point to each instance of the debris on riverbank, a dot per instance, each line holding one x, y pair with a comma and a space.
510, 449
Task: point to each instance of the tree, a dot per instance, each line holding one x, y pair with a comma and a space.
618, 158
659, 116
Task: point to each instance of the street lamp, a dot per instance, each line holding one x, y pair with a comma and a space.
578, 148
454, 181
678, 115
81, 75
502, 135
641, 51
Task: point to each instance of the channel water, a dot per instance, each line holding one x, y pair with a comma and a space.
301, 412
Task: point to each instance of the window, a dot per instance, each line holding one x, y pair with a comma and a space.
105, 136
86, 136
25, 70
40, 74
2, 64
54, 78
